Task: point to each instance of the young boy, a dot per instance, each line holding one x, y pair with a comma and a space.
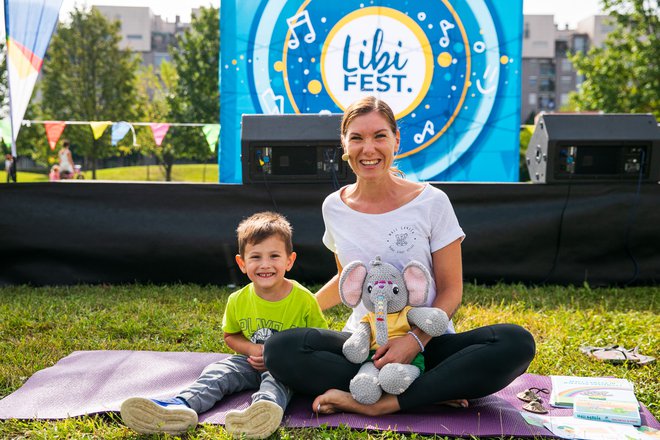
270, 303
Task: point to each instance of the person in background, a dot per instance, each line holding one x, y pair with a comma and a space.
270, 303
383, 214
54, 174
66, 161
10, 167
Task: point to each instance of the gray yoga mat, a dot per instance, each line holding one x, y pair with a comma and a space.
89, 382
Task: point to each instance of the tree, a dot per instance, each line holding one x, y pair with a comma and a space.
86, 77
154, 92
624, 75
196, 97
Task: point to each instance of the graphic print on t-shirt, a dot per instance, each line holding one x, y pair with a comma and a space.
261, 330
260, 336
401, 239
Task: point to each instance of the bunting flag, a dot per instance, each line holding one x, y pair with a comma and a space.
5, 131
99, 127
159, 131
28, 28
53, 132
212, 133
119, 130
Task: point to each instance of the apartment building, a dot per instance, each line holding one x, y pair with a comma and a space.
548, 75
144, 32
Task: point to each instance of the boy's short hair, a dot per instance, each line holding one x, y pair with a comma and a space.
262, 225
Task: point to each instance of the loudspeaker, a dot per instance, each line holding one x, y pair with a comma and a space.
293, 148
589, 147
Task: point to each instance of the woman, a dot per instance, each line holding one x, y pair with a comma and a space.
66, 161
386, 215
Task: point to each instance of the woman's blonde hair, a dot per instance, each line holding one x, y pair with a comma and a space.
367, 105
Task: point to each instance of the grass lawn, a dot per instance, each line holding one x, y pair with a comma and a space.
39, 326
207, 173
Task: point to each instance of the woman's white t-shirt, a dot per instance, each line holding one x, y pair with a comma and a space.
411, 232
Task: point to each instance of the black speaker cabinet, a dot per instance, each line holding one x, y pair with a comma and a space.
293, 148
589, 147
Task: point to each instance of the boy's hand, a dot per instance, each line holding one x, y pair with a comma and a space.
257, 363
256, 358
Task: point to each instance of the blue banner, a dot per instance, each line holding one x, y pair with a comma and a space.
450, 70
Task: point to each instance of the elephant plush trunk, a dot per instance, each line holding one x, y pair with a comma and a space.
380, 310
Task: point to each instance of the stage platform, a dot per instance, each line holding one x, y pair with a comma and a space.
90, 232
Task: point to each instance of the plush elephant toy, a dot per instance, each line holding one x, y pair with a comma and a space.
392, 298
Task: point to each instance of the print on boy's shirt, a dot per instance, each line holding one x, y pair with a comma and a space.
261, 330
401, 239
260, 336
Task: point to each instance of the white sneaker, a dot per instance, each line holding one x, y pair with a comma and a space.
258, 420
151, 416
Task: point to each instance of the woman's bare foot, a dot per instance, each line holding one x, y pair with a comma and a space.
333, 401
458, 403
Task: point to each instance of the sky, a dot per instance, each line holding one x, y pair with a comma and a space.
565, 11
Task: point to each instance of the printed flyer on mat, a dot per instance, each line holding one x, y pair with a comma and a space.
449, 69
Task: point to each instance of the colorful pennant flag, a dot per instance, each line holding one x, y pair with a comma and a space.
159, 131
212, 134
53, 132
99, 127
28, 28
119, 130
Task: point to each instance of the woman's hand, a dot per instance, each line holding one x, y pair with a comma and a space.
398, 350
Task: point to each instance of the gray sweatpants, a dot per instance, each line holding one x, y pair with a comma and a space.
229, 376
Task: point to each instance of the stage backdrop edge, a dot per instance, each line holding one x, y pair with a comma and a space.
68, 233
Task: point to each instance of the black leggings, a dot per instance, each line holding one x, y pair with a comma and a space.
465, 365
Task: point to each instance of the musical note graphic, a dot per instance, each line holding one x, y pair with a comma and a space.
482, 89
298, 20
428, 128
274, 104
479, 46
445, 26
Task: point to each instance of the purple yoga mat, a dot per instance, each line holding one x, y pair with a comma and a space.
89, 382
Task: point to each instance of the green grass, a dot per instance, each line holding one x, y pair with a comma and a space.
39, 326
207, 173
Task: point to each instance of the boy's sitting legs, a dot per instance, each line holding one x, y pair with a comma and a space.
152, 416
264, 415
259, 420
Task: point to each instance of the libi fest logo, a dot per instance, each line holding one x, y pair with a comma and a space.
436, 63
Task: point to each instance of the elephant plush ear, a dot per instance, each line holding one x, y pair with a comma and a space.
350, 283
418, 279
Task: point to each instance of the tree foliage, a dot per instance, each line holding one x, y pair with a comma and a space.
196, 97
87, 77
624, 75
154, 94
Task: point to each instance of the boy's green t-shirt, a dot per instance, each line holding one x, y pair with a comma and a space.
257, 318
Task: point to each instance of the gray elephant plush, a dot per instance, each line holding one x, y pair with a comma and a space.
392, 298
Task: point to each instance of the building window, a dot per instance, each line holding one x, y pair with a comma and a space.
532, 80
546, 85
566, 65
580, 43
134, 37
526, 31
566, 80
546, 68
563, 99
532, 99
